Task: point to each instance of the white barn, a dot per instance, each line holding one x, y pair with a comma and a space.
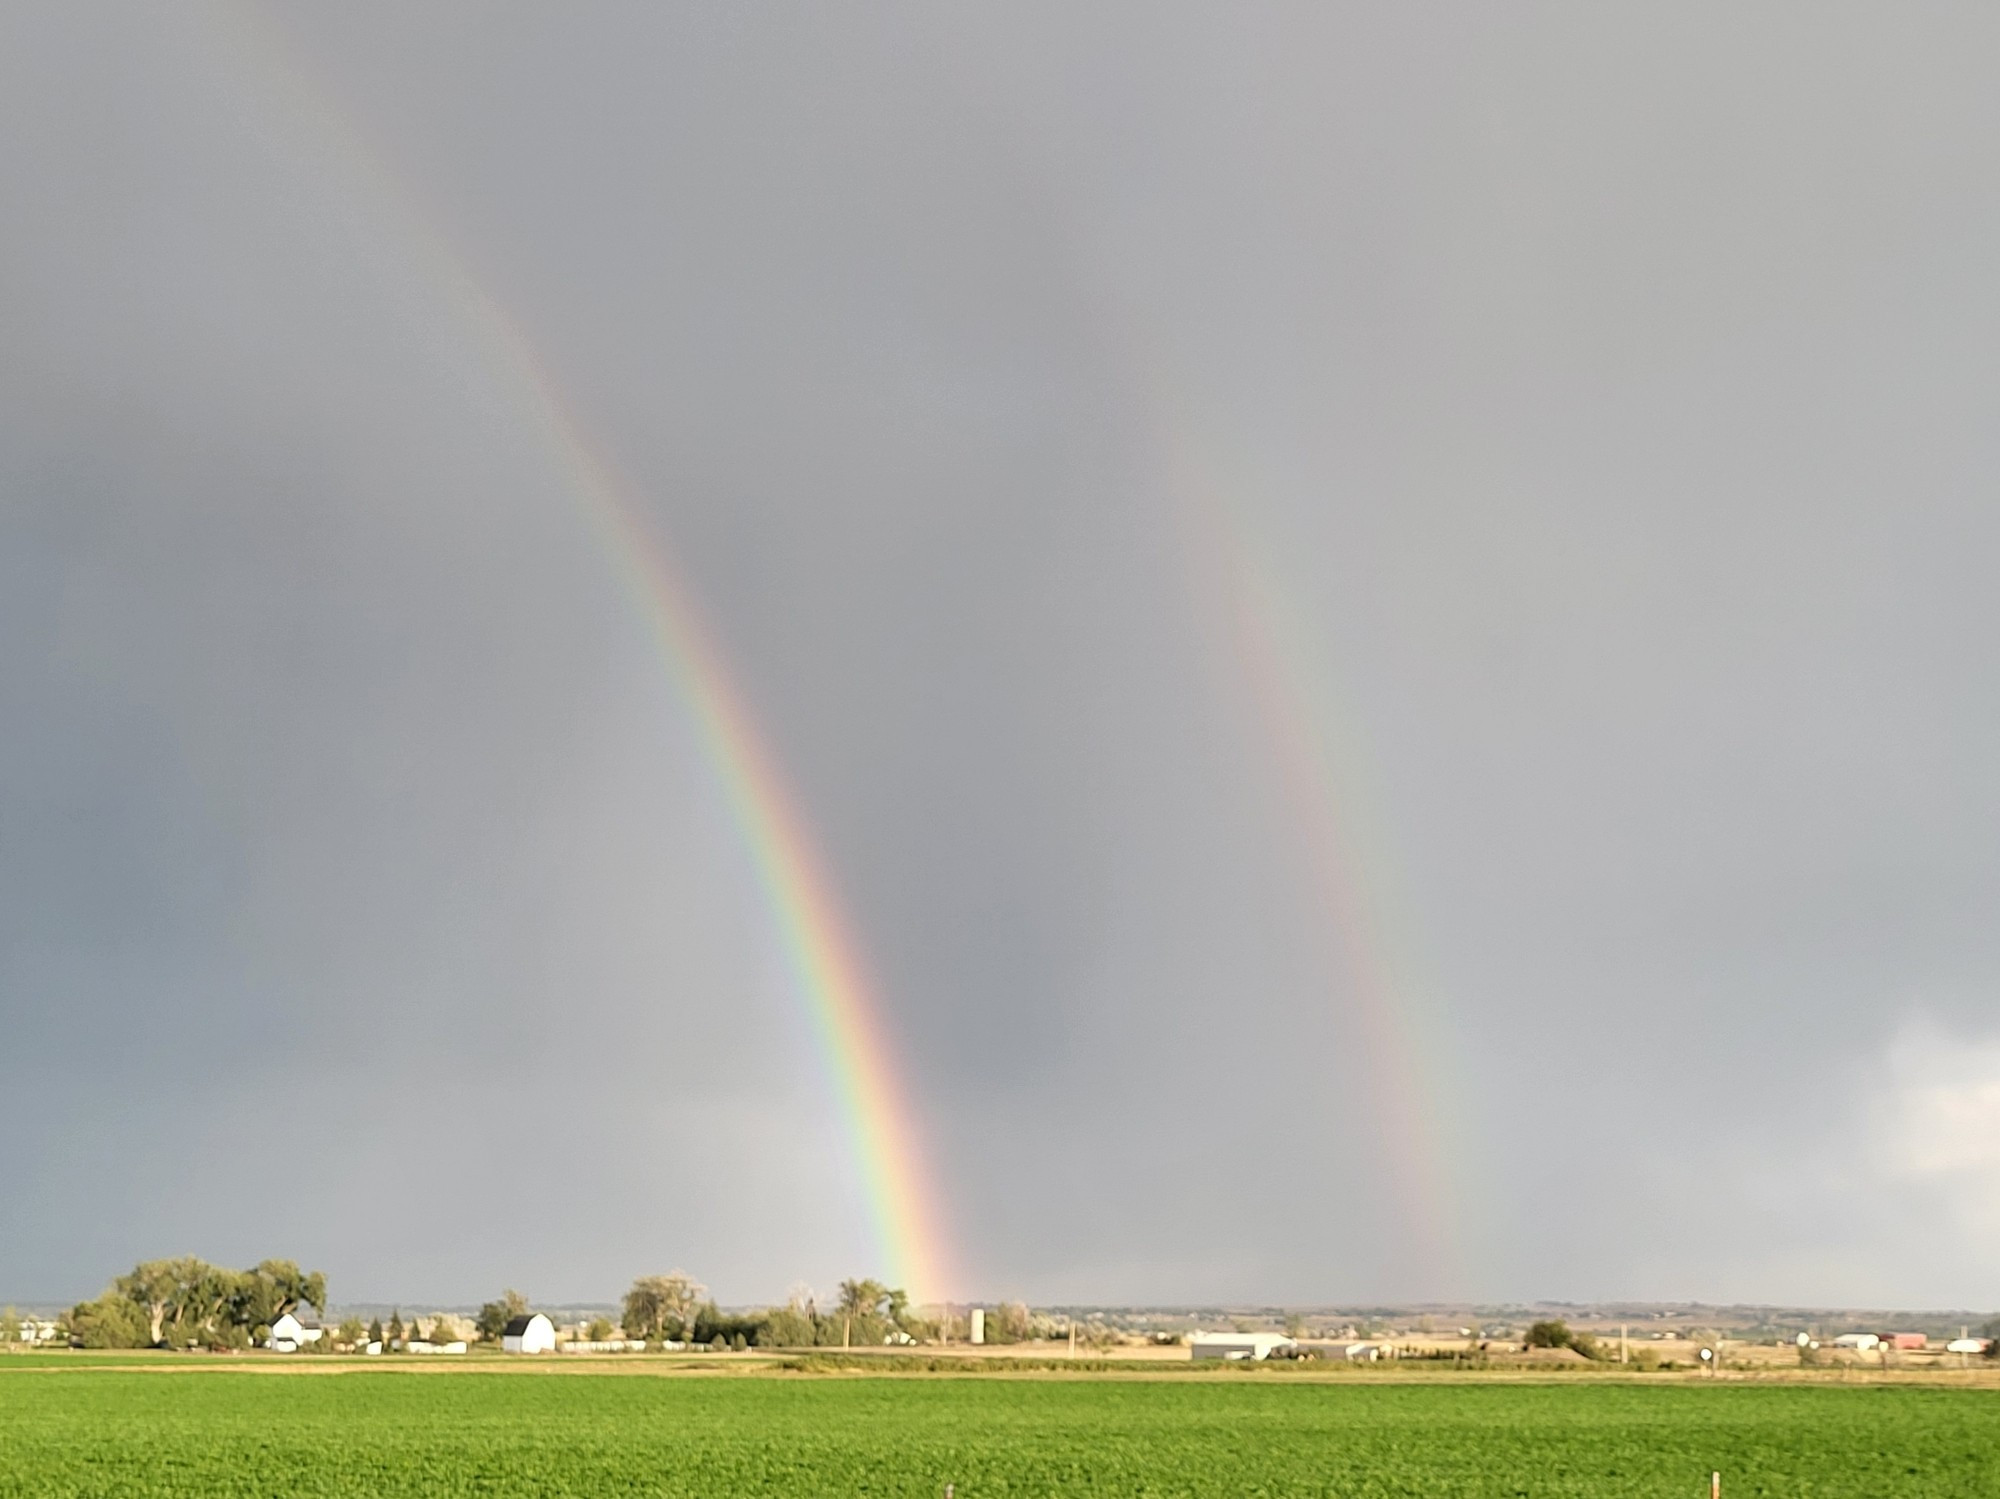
289, 1334
533, 1333
1248, 1345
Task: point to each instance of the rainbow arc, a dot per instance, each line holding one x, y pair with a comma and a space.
823, 958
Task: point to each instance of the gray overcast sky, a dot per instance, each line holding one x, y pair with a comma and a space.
1384, 615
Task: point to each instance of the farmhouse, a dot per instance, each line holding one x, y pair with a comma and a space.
289, 1334
1247, 1345
533, 1333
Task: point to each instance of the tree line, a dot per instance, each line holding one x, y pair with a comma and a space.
676, 1308
189, 1303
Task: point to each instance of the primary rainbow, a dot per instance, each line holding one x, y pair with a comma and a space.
825, 965
821, 954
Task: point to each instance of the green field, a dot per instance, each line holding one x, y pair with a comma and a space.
120, 1431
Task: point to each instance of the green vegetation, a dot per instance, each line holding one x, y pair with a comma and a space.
1561, 1335
869, 1314
199, 1431
188, 1303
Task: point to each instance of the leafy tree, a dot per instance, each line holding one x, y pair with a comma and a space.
710, 1324
111, 1321
396, 1339
862, 1298
599, 1330
495, 1315
1549, 1335
10, 1326
154, 1288
661, 1306
276, 1287
867, 1309
1007, 1324
787, 1327
351, 1332
185, 1301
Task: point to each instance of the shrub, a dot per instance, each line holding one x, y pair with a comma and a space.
108, 1322
787, 1327
1550, 1335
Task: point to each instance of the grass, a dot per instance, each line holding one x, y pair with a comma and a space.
165, 1430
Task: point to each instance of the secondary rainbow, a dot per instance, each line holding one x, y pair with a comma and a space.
1272, 639
827, 971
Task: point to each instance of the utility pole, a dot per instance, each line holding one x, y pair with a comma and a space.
1624, 1342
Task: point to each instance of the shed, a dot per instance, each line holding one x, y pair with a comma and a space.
532, 1333
1245, 1345
1350, 1352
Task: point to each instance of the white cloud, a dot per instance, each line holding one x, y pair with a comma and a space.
1936, 1121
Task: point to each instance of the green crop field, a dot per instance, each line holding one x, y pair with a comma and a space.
196, 1432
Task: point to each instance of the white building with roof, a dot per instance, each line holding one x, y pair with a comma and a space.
1244, 1345
532, 1333
1353, 1352
289, 1334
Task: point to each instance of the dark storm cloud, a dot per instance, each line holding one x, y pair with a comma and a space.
1608, 391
